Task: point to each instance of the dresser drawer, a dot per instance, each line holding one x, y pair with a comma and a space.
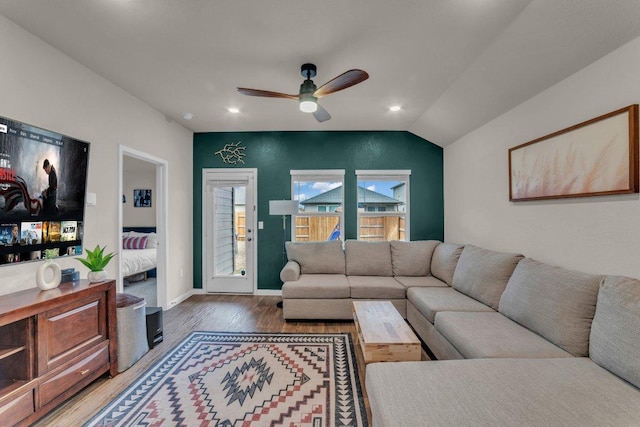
68, 375
70, 330
17, 409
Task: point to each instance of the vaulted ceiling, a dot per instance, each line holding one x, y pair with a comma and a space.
452, 65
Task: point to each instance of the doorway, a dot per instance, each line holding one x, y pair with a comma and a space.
228, 216
150, 173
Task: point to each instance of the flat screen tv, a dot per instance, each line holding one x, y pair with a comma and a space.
43, 181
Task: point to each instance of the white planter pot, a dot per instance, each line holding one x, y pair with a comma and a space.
55, 279
97, 276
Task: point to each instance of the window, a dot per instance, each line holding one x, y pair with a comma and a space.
383, 204
320, 201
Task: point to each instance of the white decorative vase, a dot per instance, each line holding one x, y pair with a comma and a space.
97, 276
40, 275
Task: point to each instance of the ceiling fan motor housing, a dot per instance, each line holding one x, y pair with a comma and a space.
308, 71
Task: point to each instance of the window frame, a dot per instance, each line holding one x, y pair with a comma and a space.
386, 175
321, 175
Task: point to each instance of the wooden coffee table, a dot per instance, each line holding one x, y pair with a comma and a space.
383, 334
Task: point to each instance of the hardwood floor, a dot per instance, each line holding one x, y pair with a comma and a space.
231, 313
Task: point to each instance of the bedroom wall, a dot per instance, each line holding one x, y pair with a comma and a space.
46, 88
595, 234
274, 154
134, 180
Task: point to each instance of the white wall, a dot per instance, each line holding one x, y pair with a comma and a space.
41, 86
137, 216
596, 234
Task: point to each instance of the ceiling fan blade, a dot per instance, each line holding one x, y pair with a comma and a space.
265, 93
343, 81
321, 114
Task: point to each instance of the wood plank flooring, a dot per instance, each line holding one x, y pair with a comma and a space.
230, 313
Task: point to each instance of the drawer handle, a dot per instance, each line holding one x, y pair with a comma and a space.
84, 372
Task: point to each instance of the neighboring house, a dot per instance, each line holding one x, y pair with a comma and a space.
400, 193
368, 201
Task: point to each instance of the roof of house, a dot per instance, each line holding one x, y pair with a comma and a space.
334, 196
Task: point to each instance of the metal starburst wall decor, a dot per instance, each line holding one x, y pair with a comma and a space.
232, 153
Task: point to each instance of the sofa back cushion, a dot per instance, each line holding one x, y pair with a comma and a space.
368, 258
615, 333
317, 257
483, 274
444, 260
412, 258
554, 302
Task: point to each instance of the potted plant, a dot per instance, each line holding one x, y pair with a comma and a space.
96, 260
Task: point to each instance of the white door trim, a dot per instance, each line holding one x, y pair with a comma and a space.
162, 217
230, 171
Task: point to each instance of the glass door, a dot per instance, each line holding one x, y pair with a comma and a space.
229, 234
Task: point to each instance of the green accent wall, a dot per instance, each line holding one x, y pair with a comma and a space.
274, 154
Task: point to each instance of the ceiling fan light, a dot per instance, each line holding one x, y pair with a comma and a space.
308, 104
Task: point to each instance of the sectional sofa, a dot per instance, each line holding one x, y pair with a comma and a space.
518, 341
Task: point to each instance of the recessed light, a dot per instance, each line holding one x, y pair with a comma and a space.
395, 108
187, 116
233, 110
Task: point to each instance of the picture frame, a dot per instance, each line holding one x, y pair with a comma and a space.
595, 158
142, 198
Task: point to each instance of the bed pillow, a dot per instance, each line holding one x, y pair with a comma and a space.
152, 238
134, 242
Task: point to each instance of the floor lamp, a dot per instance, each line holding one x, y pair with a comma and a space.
284, 208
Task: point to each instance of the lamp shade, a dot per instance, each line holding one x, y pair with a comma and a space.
283, 207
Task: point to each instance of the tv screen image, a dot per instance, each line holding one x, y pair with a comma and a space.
43, 177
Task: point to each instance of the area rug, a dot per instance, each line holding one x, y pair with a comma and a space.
246, 380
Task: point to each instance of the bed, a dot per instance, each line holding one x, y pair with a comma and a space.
139, 252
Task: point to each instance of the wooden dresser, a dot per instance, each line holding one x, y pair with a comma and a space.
52, 344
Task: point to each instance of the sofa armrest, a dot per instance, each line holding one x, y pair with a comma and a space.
290, 272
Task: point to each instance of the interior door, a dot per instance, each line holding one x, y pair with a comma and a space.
229, 241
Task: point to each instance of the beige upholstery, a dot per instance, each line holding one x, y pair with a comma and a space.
615, 334
420, 282
483, 274
317, 257
444, 261
439, 346
430, 301
412, 258
483, 335
290, 272
375, 287
554, 302
368, 258
568, 392
317, 286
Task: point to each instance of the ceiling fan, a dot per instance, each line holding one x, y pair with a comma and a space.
309, 92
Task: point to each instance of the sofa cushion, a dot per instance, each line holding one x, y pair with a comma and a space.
429, 301
615, 333
484, 335
573, 392
376, 287
554, 302
317, 286
420, 281
412, 258
317, 257
444, 260
368, 258
483, 274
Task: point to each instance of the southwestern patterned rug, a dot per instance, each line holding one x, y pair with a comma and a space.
246, 380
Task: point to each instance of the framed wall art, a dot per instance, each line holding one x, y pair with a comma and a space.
594, 158
141, 198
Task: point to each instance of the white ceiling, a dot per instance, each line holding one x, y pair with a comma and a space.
452, 65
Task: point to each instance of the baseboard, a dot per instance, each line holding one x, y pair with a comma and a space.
181, 298
268, 292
